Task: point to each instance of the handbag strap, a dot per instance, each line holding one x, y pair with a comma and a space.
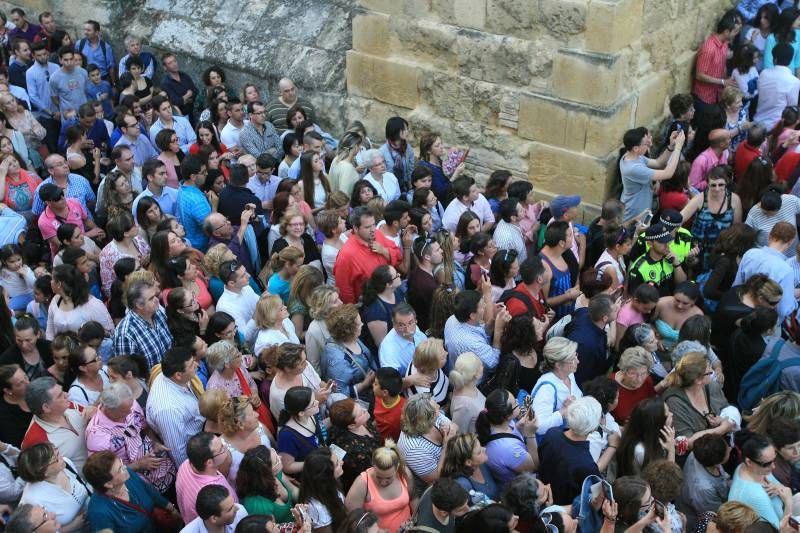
128, 504
243, 382
78, 477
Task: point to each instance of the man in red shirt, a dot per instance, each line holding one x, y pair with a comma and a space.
364, 251
710, 75
528, 297
748, 150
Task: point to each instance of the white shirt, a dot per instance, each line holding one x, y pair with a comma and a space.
65, 505
777, 89
197, 525
271, 337
230, 135
388, 188
455, 209
241, 306
173, 412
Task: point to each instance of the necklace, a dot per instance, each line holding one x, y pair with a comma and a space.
311, 430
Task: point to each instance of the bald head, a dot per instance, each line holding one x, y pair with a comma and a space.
216, 225
719, 137
287, 92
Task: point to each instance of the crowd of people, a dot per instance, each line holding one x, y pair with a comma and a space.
218, 317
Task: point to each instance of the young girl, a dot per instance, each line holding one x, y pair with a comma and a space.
77, 257
42, 295
16, 277
746, 74
285, 265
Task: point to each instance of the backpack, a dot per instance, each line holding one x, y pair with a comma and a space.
762, 378
521, 296
104, 46
702, 280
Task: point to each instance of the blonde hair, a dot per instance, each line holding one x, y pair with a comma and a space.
556, 350
635, 357
290, 254
337, 200
467, 369
728, 96
287, 218
418, 416
341, 323
459, 449
268, 309
691, 367
215, 256
211, 402
735, 517
328, 221
377, 205
426, 355
388, 456
319, 303
783, 404
231, 413
220, 354
306, 280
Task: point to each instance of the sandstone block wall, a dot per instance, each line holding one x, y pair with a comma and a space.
543, 88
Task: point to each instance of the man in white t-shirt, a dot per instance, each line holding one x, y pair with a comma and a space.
216, 511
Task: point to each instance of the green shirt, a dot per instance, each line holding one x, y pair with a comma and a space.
261, 505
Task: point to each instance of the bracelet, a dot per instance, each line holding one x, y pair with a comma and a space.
610, 519
611, 446
670, 149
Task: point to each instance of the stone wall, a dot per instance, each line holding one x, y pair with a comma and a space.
543, 88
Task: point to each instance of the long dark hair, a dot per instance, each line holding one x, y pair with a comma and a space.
75, 286
307, 177
318, 482
496, 412
381, 277
178, 324
297, 400
255, 476
208, 125
644, 427
159, 254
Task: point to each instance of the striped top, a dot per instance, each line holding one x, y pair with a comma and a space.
760, 221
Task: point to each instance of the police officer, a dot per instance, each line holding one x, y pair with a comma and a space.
658, 266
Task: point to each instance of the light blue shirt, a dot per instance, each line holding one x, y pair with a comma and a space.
143, 150
193, 208
264, 191
167, 200
182, 128
754, 495
770, 44
99, 54
397, 352
773, 263
460, 337
78, 188
294, 170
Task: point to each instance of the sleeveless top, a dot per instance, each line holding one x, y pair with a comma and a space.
391, 513
237, 456
708, 225
559, 284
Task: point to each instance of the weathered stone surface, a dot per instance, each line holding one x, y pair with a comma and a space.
371, 34
564, 17
389, 82
611, 26
563, 171
588, 78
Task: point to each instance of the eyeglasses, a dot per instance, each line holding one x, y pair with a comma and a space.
717, 185
258, 112
223, 225
97, 359
764, 464
48, 516
224, 450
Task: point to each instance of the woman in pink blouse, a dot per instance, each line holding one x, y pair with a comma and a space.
125, 242
225, 360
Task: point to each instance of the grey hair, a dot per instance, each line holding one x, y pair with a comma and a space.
114, 394
370, 155
583, 415
349, 140
20, 521
684, 347
419, 415
557, 350
521, 494
641, 332
130, 39
37, 395
635, 357
135, 293
220, 354
467, 369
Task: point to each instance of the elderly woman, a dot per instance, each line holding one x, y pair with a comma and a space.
322, 301
429, 359
556, 389
347, 360
383, 181
465, 460
565, 461
54, 483
514, 452
384, 488
125, 242
119, 426
293, 233
354, 432
86, 376
23, 121
225, 361
424, 435
72, 304
122, 501
262, 487
274, 325
644, 336
754, 485
241, 430
698, 404
635, 382
467, 401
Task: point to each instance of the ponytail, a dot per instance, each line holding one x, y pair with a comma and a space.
497, 412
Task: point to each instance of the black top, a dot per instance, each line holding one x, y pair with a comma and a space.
309, 248
13, 355
723, 321
232, 201
15, 423
176, 90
